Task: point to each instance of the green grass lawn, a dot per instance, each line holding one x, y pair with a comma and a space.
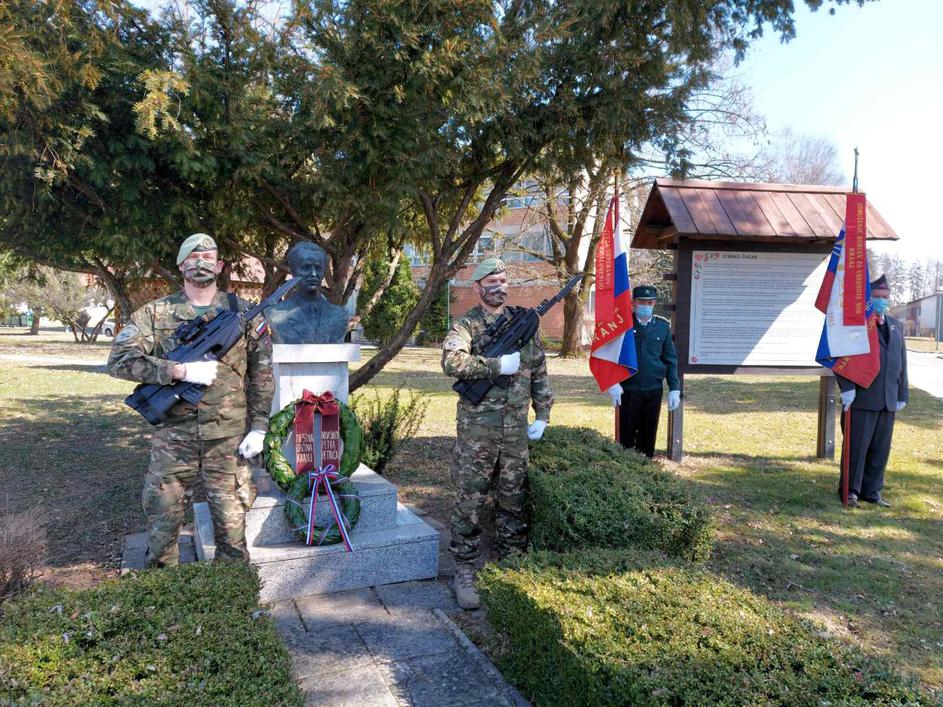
915, 343
873, 577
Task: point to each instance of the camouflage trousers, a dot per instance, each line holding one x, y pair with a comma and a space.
489, 458
176, 463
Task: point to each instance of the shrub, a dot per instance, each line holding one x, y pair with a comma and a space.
22, 550
629, 627
190, 635
387, 425
587, 491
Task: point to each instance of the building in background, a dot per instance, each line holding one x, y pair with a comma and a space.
520, 237
923, 317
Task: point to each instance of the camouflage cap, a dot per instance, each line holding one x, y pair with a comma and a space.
195, 243
645, 292
488, 266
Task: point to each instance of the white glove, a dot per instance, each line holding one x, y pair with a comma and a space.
510, 363
674, 399
847, 398
536, 430
615, 392
202, 372
901, 405
252, 444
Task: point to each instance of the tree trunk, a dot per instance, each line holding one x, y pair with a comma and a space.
118, 288
375, 297
437, 276
572, 326
34, 328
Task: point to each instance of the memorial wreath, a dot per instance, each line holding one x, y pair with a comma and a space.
321, 481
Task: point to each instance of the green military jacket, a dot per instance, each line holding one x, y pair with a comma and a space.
531, 384
657, 358
242, 391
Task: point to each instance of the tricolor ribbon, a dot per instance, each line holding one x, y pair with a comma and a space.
318, 480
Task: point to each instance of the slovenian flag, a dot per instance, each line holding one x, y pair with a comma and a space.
613, 357
848, 344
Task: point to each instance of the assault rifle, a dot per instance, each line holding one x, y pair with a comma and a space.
508, 334
199, 340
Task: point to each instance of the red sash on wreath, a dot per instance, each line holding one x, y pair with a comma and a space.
317, 432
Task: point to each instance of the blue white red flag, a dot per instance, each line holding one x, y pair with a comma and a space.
613, 358
849, 350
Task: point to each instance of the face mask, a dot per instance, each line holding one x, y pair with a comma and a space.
879, 305
644, 311
199, 271
494, 295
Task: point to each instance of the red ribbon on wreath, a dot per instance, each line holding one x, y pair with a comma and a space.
317, 432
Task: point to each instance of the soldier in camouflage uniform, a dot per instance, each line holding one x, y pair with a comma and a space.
491, 438
201, 439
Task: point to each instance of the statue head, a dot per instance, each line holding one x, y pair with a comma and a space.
307, 261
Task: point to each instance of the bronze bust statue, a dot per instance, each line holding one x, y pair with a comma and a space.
306, 316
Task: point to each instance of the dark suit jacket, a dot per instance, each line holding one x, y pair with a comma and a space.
890, 385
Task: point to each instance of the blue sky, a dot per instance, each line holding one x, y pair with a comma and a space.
869, 76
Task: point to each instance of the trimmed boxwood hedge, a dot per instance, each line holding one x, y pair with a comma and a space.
587, 491
606, 627
191, 635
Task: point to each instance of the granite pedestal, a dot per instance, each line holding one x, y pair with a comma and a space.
390, 543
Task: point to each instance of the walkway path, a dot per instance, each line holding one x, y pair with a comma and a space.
389, 645
392, 645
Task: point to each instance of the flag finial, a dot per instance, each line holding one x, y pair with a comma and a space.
854, 181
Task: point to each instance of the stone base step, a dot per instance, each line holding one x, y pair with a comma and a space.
266, 523
405, 552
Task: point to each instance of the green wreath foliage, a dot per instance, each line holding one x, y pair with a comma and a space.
297, 512
279, 425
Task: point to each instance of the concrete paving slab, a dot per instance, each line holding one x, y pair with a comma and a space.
325, 612
134, 554
446, 679
404, 635
417, 595
354, 687
326, 652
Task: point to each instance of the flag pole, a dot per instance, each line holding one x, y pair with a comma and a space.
846, 433
617, 229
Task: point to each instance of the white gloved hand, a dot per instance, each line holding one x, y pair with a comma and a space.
536, 430
901, 405
847, 398
674, 399
510, 363
202, 372
252, 444
615, 393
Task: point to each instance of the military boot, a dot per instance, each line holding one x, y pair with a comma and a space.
463, 584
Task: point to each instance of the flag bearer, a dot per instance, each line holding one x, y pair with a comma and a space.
639, 397
873, 408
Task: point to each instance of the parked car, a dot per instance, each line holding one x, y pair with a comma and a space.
108, 328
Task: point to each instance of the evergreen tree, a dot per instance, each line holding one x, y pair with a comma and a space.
435, 324
388, 315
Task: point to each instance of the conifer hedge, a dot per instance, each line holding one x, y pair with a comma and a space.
191, 635
587, 491
630, 627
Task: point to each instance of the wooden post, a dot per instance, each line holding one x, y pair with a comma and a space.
676, 429
825, 441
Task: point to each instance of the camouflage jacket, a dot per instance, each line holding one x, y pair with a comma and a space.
460, 359
243, 387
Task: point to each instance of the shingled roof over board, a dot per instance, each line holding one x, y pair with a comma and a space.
780, 213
